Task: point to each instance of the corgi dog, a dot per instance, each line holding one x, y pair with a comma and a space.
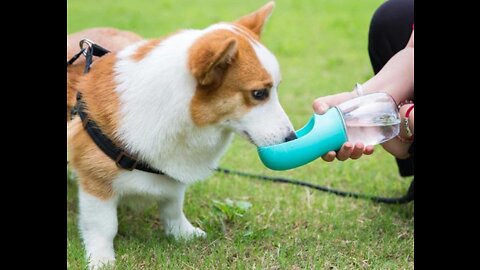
174, 102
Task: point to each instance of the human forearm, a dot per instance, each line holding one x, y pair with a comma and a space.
396, 77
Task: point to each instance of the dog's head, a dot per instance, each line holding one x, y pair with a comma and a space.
237, 81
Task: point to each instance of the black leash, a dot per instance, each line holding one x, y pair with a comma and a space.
400, 200
130, 162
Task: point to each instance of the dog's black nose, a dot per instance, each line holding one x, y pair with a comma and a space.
292, 136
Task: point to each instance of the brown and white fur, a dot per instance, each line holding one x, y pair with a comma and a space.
175, 102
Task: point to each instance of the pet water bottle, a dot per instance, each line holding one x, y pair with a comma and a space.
370, 119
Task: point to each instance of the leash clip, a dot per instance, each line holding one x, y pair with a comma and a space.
89, 44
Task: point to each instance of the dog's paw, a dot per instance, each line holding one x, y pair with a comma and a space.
199, 233
187, 234
100, 263
184, 230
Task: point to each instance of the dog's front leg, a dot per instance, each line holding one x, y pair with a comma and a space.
173, 218
98, 226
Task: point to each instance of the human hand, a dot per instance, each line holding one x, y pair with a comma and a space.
348, 149
397, 148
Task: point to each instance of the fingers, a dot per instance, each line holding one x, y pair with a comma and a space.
357, 151
368, 150
349, 150
345, 152
330, 156
320, 107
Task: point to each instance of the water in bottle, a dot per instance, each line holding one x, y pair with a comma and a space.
371, 119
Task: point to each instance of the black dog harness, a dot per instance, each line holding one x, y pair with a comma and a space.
122, 158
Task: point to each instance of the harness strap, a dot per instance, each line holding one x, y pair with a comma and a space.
122, 158
91, 50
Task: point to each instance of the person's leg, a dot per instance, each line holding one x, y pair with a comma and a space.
390, 30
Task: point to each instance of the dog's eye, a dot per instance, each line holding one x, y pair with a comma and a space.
261, 94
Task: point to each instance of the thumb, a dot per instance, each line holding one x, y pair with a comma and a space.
322, 104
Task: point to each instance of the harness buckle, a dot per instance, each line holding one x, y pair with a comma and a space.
130, 159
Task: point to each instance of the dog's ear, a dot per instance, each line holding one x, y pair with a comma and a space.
257, 19
210, 60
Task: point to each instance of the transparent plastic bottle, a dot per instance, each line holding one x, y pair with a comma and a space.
370, 119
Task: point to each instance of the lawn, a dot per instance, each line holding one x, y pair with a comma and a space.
321, 46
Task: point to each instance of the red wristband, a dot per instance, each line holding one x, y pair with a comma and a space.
407, 114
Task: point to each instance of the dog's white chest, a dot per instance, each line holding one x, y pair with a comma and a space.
143, 183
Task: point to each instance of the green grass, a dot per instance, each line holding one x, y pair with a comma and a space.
322, 49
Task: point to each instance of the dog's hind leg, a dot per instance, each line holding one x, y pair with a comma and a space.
98, 226
173, 218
